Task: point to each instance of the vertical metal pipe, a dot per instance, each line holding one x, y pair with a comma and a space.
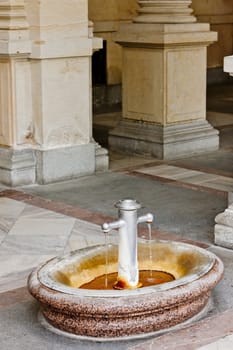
127, 252
128, 274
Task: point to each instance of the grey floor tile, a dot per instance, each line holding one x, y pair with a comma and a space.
20, 329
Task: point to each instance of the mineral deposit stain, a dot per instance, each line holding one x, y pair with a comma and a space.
146, 278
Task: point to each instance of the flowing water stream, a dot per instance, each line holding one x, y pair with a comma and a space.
147, 278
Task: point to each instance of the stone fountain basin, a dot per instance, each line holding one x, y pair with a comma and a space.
110, 314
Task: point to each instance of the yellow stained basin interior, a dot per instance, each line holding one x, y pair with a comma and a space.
179, 261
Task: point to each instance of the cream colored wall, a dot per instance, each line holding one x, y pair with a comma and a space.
106, 15
219, 13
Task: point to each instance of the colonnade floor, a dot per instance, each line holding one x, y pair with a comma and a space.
39, 222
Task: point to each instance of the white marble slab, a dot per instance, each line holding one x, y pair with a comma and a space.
200, 178
2, 236
87, 234
38, 231
225, 343
31, 236
10, 210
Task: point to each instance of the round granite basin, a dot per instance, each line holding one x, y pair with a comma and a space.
109, 314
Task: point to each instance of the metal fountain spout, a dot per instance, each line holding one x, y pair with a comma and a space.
128, 275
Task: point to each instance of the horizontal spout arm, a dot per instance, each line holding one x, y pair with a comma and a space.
145, 218
107, 227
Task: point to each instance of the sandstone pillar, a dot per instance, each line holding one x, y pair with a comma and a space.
165, 11
17, 163
164, 82
45, 101
62, 46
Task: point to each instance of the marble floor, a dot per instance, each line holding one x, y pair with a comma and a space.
40, 222
30, 235
189, 177
224, 343
34, 229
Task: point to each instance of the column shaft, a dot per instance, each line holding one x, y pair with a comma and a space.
165, 11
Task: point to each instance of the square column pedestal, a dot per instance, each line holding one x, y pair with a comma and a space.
164, 90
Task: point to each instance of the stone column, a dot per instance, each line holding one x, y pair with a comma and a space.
223, 231
17, 163
45, 100
165, 11
164, 82
62, 46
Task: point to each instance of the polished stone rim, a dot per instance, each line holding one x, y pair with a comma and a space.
46, 324
47, 270
123, 314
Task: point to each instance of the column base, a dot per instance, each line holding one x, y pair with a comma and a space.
101, 158
164, 142
223, 231
23, 167
17, 167
230, 198
64, 163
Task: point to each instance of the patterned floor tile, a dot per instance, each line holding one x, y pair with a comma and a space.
10, 210
38, 231
32, 235
225, 343
187, 176
87, 234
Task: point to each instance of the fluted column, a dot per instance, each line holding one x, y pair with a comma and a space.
165, 11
